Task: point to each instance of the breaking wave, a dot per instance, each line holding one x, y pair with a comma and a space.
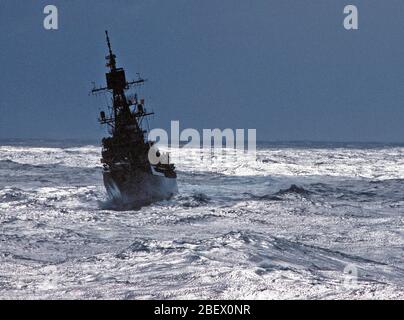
294, 189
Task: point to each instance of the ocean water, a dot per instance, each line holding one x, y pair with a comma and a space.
298, 221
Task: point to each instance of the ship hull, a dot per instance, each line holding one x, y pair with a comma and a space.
137, 189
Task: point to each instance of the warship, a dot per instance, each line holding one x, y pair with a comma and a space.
130, 178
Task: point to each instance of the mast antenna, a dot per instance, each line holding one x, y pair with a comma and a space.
108, 42
111, 57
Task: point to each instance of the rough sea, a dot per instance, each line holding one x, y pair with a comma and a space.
299, 221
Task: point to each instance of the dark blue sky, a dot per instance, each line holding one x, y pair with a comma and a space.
287, 68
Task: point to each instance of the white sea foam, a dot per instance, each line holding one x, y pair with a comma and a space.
284, 224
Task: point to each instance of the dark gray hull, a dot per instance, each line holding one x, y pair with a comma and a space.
138, 189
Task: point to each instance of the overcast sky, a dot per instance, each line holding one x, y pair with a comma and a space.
287, 68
